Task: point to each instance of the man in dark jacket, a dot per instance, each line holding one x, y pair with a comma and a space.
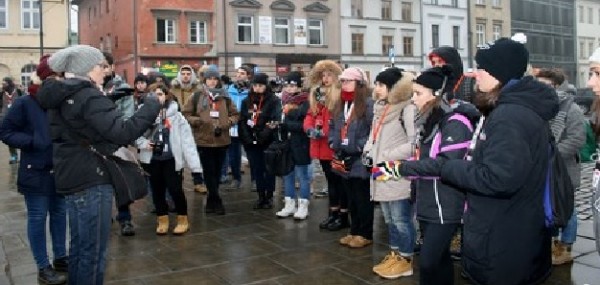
81, 117
505, 238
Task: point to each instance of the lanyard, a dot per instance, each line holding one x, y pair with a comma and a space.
462, 77
214, 104
469, 154
377, 128
256, 114
347, 115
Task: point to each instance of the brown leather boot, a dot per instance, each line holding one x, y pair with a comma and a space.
163, 225
182, 225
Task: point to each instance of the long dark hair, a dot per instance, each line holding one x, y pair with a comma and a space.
595, 119
486, 101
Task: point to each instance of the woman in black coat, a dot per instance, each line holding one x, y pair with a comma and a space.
505, 239
259, 115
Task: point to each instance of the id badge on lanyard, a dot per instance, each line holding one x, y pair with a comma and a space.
347, 115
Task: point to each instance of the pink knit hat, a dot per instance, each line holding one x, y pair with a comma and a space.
353, 73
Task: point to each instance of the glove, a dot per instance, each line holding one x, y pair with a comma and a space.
380, 174
310, 133
318, 134
391, 167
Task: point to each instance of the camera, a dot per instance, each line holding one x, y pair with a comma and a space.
218, 131
158, 148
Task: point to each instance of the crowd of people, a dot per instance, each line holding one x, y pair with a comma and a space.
451, 158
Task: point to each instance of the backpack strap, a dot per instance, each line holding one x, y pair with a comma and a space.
436, 148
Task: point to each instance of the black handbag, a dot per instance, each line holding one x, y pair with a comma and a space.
278, 158
128, 178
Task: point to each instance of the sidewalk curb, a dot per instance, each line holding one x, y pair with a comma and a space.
4, 266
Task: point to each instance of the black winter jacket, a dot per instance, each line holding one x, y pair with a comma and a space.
299, 141
80, 114
270, 111
439, 202
505, 240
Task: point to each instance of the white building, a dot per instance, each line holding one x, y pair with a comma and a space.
588, 36
445, 23
370, 28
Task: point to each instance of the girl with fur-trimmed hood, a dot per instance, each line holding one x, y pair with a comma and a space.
324, 94
392, 138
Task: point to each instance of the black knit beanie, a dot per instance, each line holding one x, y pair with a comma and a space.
260, 78
434, 78
389, 77
294, 77
503, 59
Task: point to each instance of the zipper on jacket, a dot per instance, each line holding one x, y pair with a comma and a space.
437, 201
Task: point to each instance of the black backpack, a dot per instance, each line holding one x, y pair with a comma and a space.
278, 157
559, 193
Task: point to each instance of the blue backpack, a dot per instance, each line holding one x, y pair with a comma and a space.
559, 193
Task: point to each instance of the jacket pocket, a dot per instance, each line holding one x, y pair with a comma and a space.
476, 238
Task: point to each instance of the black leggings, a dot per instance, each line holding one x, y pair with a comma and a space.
163, 176
435, 262
360, 206
337, 195
212, 159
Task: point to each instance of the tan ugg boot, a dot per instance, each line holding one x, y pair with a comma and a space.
163, 225
182, 225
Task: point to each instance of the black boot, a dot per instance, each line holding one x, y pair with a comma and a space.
210, 204
219, 209
49, 276
61, 264
127, 229
261, 199
340, 223
333, 215
268, 202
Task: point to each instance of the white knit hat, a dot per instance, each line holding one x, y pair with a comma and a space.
78, 59
595, 56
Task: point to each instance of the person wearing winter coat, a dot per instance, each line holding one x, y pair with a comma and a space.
392, 137
10, 93
349, 130
505, 237
185, 84
140, 84
324, 96
460, 85
444, 133
26, 127
81, 117
164, 150
295, 106
238, 91
594, 84
260, 115
211, 118
569, 132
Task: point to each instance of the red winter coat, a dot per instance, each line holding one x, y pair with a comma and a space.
319, 148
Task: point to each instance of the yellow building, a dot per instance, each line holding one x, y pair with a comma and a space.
20, 34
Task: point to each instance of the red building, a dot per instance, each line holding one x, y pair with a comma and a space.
144, 35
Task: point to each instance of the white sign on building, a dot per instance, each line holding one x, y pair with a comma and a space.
300, 31
264, 30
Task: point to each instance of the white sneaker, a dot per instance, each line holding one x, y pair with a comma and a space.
302, 212
289, 208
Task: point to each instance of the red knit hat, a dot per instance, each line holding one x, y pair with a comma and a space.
43, 69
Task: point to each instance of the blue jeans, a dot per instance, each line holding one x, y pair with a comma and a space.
302, 172
89, 220
401, 227
38, 209
568, 234
233, 159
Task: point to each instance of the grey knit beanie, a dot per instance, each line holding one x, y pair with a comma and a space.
78, 59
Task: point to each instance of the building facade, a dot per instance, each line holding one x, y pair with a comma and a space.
588, 37
277, 36
550, 30
150, 35
377, 33
489, 21
445, 23
20, 44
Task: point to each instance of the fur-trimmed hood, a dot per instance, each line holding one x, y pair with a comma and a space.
321, 66
401, 91
176, 82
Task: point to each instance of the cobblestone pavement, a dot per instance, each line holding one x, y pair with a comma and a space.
245, 246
